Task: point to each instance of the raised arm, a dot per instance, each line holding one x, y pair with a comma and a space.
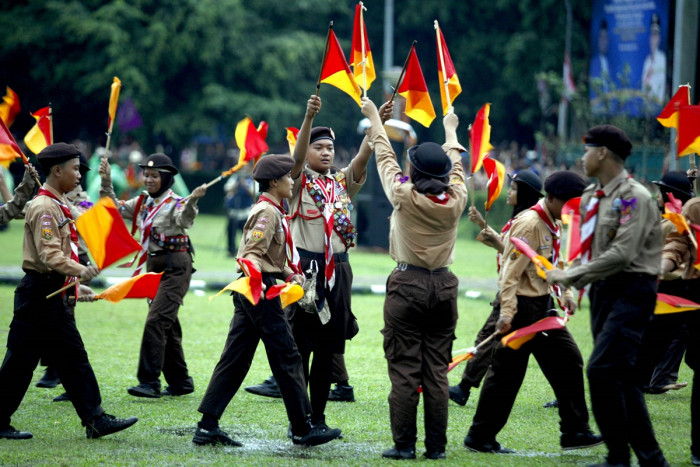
313, 107
361, 160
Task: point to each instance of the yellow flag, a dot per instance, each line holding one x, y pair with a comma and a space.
113, 98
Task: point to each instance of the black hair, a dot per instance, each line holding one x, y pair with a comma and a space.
526, 198
264, 185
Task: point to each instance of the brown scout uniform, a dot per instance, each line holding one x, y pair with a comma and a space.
420, 309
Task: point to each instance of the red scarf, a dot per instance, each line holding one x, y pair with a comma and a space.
73, 233
292, 253
556, 240
149, 213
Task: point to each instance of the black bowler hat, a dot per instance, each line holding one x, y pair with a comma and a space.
272, 167
56, 154
160, 162
564, 185
611, 137
676, 182
430, 159
529, 178
321, 132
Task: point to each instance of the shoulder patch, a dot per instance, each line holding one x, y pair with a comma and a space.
46, 233
456, 181
514, 255
257, 235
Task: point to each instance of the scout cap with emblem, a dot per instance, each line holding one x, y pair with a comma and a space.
272, 167
528, 178
160, 162
677, 183
321, 132
564, 185
430, 159
57, 153
610, 137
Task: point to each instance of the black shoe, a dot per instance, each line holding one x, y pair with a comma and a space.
551, 405
62, 397
323, 427
584, 439
695, 460
203, 437
400, 454
434, 455
170, 391
267, 388
49, 380
317, 435
342, 393
9, 432
492, 447
107, 424
144, 390
458, 396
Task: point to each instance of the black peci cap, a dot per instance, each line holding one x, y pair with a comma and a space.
272, 167
321, 132
56, 154
610, 137
160, 162
430, 159
564, 185
528, 178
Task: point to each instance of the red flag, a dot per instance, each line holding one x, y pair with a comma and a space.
9, 150
250, 140
9, 107
496, 173
39, 136
446, 73
669, 115
480, 137
517, 338
672, 304
141, 286
571, 216
361, 56
418, 104
103, 230
688, 130
541, 263
292, 138
335, 70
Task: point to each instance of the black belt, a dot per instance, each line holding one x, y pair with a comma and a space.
410, 267
49, 276
338, 257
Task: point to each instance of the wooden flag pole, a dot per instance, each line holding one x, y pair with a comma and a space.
50, 124
109, 137
325, 54
403, 71
442, 64
364, 57
65, 287
471, 166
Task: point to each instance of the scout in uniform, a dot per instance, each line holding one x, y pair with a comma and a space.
24, 191
524, 299
621, 243
267, 243
524, 192
420, 308
45, 328
163, 219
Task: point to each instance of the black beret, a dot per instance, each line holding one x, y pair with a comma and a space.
321, 132
272, 167
161, 162
564, 185
528, 178
611, 137
56, 154
676, 182
430, 159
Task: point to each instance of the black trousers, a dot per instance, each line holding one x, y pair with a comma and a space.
420, 317
621, 306
561, 362
249, 325
478, 365
46, 329
161, 345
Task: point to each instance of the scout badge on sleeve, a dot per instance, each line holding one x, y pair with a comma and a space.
308, 301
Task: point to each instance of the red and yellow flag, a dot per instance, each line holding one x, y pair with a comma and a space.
669, 115
113, 99
103, 230
480, 137
496, 173
335, 70
292, 134
9, 150
688, 130
250, 140
141, 286
361, 56
517, 338
288, 293
666, 304
9, 107
249, 286
418, 104
571, 216
446, 73
541, 263
39, 136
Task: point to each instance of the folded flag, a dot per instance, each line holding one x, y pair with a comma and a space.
105, 234
9, 107
571, 216
496, 173
446, 73
669, 115
480, 137
141, 286
541, 263
113, 99
335, 70
288, 293
457, 359
419, 107
39, 136
666, 304
292, 138
517, 338
361, 56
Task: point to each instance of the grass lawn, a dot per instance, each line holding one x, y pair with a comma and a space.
112, 334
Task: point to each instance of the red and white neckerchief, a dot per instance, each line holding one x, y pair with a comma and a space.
327, 190
291, 250
556, 239
588, 226
504, 232
439, 199
146, 224
73, 234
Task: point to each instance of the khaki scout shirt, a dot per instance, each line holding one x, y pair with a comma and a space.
12, 208
518, 275
310, 234
263, 241
173, 219
47, 244
421, 232
679, 248
627, 235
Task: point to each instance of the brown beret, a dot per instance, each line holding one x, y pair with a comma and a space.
272, 167
611, 137
321, 132
56, 154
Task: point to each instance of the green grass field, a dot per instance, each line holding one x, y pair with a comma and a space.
112, 334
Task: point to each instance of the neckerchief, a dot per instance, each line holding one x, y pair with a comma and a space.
146, 224
556, 240
326, 190
73, 234
588, 226
439, 199
291, 250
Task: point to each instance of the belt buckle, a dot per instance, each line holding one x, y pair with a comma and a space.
402, 266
